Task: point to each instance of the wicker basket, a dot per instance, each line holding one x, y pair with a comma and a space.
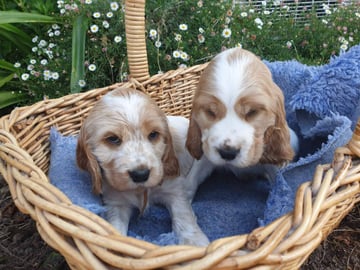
89, 242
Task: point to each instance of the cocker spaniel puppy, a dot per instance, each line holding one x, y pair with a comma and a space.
136, 156
238, 117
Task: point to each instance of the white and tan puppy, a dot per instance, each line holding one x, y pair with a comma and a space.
238, 118
136, 156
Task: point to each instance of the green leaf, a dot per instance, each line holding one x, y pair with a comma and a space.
8, 98
80, 27
16, 31
24, 17
4, 80
7, 65
16, 36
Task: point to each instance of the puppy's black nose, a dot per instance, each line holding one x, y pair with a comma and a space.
139, 175
228, 153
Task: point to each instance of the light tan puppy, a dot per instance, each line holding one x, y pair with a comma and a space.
136, 156
238, 118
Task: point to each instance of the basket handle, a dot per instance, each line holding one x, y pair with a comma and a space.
135, 39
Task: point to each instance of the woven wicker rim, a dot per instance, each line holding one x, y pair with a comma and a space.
89, 242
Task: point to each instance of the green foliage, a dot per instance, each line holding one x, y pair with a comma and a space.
8, 98
192, 32
14, 37
86, 51
80, 26
88, 48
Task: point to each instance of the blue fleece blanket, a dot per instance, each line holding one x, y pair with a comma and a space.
322, 105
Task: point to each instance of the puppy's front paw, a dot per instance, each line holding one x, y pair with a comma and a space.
195, 239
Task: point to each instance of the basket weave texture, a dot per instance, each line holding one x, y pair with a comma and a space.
89, 242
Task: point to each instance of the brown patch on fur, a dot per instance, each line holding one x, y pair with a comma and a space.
155, 120
278, 149
193, 139
170, 161
87, 161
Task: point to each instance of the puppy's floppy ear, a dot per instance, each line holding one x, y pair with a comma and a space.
193, 139
278, 148
169, 160
87, 161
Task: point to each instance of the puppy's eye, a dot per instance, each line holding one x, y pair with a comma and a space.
211, 114
153, 135
114, 140
252, 113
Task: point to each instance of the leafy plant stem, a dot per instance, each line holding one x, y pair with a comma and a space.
80, 26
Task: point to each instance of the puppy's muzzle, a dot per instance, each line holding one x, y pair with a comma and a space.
139, 175
228, 153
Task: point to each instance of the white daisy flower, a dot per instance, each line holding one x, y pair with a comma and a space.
47, 73
88, 2
32, 61
109, 14
96, 15
44, 62
82, 83
92, 67
17, 65
243, 14
117, 39
158, 44
176, 54
114, 6
178, 37
106, 24
344, 47
94, 28
183, 27
35, 39
55, 75
152, 33
42, 43
25, 76
184, 56
226, 33
258, 21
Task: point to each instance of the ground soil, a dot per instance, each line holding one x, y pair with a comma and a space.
21, 247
